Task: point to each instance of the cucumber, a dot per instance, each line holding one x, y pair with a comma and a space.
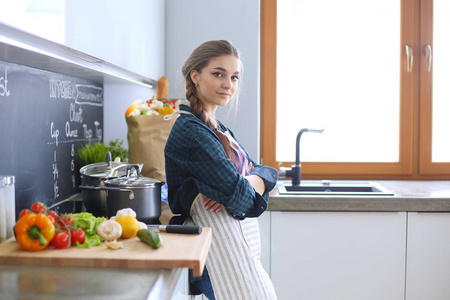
150, 237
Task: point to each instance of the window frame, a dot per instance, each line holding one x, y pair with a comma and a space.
426, 166
415, 124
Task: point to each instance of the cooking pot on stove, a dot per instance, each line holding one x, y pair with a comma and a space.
95, 175
142, 194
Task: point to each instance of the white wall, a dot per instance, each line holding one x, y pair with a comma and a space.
118, 99
190, 23
129, 34
154, 38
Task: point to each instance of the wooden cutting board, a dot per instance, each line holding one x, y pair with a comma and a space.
178, 251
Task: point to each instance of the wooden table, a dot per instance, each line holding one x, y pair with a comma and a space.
137, 271
178, 251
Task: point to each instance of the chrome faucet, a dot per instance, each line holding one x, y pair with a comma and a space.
295, 171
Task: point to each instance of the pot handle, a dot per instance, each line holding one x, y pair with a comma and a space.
99, 188
130, 167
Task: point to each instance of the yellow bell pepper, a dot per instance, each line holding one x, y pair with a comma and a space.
166, 110
34, 231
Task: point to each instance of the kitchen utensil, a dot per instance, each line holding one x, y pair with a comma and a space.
95, 175
177, 229
147, 196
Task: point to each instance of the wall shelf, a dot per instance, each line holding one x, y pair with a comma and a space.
26, 49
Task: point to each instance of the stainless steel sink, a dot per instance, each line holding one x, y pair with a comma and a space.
326, 187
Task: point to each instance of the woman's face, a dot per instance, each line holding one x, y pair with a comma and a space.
217, 82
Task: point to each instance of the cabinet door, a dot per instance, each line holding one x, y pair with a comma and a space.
338, 255
264, 229
428, 262
181, 290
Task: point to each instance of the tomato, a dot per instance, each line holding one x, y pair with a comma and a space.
51, 219
68, 219
64, 219
24, 212
52, 213
38, 207
171, 103
77, 235
60, 240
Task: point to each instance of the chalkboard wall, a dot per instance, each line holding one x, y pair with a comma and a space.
44, 118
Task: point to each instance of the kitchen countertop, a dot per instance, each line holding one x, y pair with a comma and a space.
37, 282
413, 196
63, 282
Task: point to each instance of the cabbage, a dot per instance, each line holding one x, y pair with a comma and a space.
89, 224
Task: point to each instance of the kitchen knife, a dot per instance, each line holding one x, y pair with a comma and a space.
177, 228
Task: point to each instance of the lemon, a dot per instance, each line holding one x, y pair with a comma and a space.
130, 226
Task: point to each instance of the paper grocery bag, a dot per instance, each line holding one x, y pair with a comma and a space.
147, 137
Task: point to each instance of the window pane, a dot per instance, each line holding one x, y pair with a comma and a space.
441, 88
338, 69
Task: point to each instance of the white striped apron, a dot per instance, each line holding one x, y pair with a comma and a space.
233, 262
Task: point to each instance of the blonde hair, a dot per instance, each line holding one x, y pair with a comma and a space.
199, 59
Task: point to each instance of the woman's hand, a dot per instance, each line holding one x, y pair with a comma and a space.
212, 205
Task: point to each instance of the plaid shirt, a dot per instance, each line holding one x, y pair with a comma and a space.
197, 163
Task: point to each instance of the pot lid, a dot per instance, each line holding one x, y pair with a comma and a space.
132, 181
105, 169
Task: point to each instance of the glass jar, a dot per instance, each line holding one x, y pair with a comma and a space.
7, 207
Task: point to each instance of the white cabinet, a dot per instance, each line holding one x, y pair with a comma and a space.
181, 290
264, 229
107, 32
338, 255
428, 262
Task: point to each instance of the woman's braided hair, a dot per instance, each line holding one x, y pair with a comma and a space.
199, 58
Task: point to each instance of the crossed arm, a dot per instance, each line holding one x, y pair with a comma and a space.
256, 182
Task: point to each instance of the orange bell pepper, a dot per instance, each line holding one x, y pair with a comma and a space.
34, 231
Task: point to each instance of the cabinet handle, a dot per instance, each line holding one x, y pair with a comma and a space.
409, 58
428, 56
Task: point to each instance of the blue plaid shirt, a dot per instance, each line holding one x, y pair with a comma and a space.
197, 163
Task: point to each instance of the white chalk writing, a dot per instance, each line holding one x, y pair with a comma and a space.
74, 115
98, 130
89, 95
69, 132
63, 89
55, 177
54, 133
87, 133
4, 91
72, 164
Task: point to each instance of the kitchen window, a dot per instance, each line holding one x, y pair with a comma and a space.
372, 74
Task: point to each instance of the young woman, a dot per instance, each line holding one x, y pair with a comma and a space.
212, 179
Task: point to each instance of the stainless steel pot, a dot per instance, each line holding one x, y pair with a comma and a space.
142, 194
95, 175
